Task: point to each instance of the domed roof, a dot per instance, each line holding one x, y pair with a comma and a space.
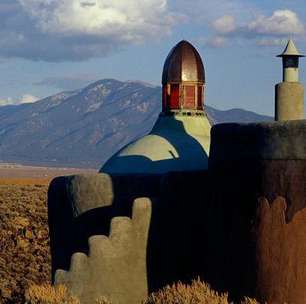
176, 143
183, 63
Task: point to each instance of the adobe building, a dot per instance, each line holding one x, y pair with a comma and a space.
177, 204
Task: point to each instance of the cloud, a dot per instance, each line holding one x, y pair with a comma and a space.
127, 20
73, 30
68, 82
225, 24
281, 22
268, 30
26, 98
61, 30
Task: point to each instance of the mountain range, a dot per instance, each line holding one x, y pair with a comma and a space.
83, 128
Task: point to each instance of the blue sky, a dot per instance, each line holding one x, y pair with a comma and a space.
47, 46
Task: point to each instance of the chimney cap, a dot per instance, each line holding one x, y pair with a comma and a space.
291, 50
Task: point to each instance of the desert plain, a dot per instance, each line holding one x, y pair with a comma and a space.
24, 239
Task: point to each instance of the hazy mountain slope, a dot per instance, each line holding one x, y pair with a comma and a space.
85, 127
235, 115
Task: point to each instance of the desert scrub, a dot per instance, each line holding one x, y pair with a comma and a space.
47, 294
24, 240
196, 293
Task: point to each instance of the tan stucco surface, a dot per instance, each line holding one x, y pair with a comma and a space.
115, 266
289, 101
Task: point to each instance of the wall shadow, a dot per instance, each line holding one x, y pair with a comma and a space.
178, 244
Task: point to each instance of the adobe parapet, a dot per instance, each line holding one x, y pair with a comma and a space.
265, 141
259, 190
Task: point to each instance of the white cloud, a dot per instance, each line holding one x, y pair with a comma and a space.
268, 30
281, 22
132, 20
73, 30
26, 98
225, 24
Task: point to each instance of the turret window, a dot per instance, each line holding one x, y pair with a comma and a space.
174, 98
189, 98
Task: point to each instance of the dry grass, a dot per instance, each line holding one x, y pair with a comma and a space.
46, 294
24, 241
25, 181
196, 293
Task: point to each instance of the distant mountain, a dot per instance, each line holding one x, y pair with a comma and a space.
84, 128
235, 115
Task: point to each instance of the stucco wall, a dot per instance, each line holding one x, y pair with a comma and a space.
289, 101
259, 193
115, 266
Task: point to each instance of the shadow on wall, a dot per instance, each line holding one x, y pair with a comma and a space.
176, 241
178, 244
190, 154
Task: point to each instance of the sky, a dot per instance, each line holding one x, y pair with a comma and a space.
48, 46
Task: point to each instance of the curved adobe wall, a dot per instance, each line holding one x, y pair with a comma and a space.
259, 198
